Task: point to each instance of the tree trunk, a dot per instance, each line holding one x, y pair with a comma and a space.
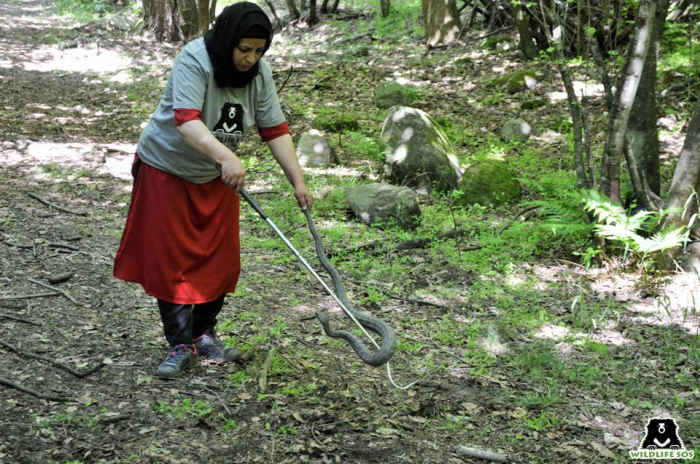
313, 19
442, 22
642, 138
575, 107
686, 177
293, 10
178, 20
522, 22
386, 7
614, 145
334, 8
324, 7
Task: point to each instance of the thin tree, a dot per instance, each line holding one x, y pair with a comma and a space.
385, 7
178, 20
293, 10
313, 18
614, 145
686, 177
442, 22
642, 138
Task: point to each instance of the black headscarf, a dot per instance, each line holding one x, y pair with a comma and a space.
229, 28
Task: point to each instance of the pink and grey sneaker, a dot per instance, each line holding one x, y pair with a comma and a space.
214, 349
180, 358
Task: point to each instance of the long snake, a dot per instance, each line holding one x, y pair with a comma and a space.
388, 345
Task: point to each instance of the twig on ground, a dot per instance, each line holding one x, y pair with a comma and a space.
35, 295
289, 75
354, 38
29, 391
220, 400
68, 369
18, 245
19, 319
262, 380
51, 287
55, 206
480, 454
510, 223
113, 419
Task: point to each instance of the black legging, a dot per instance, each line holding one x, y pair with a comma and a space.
182, 324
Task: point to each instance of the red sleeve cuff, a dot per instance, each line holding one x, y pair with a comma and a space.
184, 115
271, 133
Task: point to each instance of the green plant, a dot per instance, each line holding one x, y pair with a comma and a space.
238, 378
615, 225
182, 409
542, 422
287, 430
83, 10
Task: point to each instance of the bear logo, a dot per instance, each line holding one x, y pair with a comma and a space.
230, 126
662, 433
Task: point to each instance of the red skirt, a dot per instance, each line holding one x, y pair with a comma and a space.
181, 240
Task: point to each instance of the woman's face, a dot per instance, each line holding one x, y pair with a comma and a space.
247, 53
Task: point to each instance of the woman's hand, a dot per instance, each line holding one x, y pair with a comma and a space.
303, 195
233, 174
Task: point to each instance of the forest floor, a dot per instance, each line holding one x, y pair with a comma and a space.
520, 350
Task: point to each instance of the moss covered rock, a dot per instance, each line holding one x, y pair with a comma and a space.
388, 94
382, 205
519, 81
500, 44
534, 104
418, 154
490, 182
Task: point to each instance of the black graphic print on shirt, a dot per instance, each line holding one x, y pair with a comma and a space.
229, 129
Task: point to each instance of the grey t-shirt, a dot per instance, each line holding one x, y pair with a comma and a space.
228, 113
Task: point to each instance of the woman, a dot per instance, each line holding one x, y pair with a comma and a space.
180, 240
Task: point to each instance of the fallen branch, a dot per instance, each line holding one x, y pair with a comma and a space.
262, 380
63, 246
55, 206
354, 38
19, 319
245, 357
18, 245
51, 287
68, 369
35, 295
480, 454
29, 391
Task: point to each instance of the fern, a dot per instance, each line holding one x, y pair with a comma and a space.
616, 225
563, 216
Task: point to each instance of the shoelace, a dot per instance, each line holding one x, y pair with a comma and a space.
178, 353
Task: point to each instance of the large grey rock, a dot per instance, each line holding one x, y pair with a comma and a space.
383, 204
489, 182
313, 150
121, 22
516, 130
418, 153
388, 94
